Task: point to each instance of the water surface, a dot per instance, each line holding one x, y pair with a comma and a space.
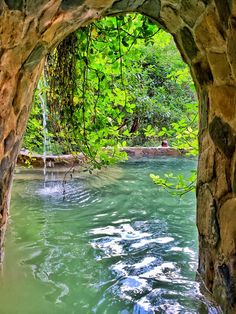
112, 243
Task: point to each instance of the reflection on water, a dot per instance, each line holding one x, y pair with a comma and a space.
108, 243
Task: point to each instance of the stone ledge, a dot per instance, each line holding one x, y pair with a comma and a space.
37, 160
139, 152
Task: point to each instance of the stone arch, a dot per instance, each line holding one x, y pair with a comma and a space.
205, 34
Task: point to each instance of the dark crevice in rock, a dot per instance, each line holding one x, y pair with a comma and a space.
1, 52
1, 128
15, 4
69, 4
222, 135
214, 232
204, 102
9, 141
203, 73
223, 11
188, 42
233, 186
214, 228
35, 57
15, 150
229, 284
150, 8
4, 166
206, 2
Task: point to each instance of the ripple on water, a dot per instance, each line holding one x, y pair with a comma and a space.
110, 243
165, 301
68, 196
144, 242
131, 288
153, 284
125, 231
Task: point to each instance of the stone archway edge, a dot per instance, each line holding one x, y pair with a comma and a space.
205, 34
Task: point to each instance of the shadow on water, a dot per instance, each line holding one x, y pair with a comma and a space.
114, 243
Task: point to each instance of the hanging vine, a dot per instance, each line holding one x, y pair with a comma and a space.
60, 70
94, 98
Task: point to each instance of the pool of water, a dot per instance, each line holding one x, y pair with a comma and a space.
111, 242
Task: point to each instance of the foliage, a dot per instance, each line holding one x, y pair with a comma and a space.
117, 82
33, 138
176, 184
184, 133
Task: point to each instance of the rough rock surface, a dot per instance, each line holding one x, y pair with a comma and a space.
205, 34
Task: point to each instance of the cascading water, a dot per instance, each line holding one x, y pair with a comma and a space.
44, 115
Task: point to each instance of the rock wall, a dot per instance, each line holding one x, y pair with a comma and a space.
205, 34
36, 160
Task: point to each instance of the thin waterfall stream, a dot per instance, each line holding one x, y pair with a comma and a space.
44, 115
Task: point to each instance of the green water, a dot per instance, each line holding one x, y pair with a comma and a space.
114, 243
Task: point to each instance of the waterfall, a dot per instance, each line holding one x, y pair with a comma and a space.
44, 115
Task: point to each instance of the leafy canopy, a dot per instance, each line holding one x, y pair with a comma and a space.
119, 81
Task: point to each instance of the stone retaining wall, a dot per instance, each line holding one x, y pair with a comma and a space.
37, 160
